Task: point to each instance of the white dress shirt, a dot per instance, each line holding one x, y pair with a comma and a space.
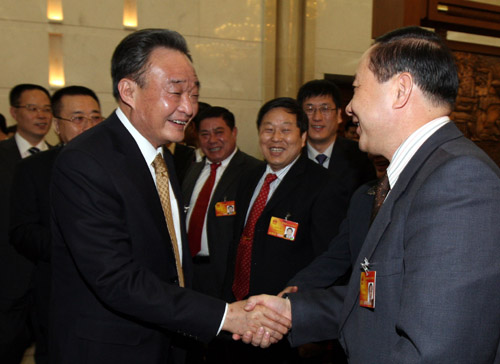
200, 182
312, 153
149, 153
23, 145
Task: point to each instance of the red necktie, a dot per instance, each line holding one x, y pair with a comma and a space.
199, 212
241, 283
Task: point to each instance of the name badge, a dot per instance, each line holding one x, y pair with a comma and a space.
367, 289
225, 208
283, 228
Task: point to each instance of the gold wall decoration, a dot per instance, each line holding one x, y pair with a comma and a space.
477, 110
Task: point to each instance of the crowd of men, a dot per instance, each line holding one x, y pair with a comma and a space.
120, 245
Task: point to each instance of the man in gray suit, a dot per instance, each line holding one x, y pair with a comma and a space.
217, 138
434, 244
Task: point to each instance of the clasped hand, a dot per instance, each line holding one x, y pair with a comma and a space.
261, 320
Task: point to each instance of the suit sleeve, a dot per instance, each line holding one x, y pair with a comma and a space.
28, 234
327, 268
91, 215
449, 302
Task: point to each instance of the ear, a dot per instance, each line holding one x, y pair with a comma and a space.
404, 88
304, 138
339, 116
13, 112
55, 123
235, 132
127, 89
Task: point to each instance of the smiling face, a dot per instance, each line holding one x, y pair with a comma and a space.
323, 126
162, 108
32, 125
217, 140
280, 138
370, 108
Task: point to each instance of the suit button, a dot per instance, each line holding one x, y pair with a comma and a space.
174, 281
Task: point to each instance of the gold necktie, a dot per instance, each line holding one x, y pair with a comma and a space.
163, 191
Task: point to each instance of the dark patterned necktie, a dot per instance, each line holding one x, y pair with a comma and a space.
321, 158
33, 150
381, 190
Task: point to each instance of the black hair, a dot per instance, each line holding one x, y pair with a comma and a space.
215, 112
421, 53
70, 91
319, 88
15, 93
291, 106
131, 56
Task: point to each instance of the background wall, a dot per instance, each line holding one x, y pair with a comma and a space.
230, 41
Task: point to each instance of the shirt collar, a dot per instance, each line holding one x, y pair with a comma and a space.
410, 146
148, 151
312, 153
23, 145
282, 172
225, 162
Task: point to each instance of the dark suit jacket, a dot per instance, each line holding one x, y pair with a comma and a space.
307, 196
183, 159
434, 246
349, 164
30, 222
15, 270
115, 295
209, 278
343, 250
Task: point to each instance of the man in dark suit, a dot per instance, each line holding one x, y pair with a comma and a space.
120, 260
433, 245
30, 107
321, 101
213, 233
75, 109
264, 258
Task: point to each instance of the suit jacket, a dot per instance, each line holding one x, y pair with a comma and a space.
434, 246
30, 222
115, 295
209, 278
183, 159
15, 270
349, 164
307, 196
342, 254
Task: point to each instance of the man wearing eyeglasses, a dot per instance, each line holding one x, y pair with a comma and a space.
321, 101
75, 109
30, 107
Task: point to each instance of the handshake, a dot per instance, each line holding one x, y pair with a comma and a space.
261, 320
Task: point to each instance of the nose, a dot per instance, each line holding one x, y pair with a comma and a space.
187, 105
317, 115
276, 136
348, 108
212, 138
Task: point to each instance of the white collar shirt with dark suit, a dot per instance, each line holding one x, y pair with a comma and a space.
345, 162
305, 195
116, 297
434, 246
219, 230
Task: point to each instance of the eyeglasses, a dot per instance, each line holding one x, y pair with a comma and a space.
80, 119
325, 110
35, 108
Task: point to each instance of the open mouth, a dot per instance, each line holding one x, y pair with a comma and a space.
179, 122
276, 150
215, 149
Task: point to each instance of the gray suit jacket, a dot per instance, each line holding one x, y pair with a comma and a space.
209, 278
434, 246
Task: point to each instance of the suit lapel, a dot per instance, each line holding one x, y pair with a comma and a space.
190, 180
288, 184
384, 216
